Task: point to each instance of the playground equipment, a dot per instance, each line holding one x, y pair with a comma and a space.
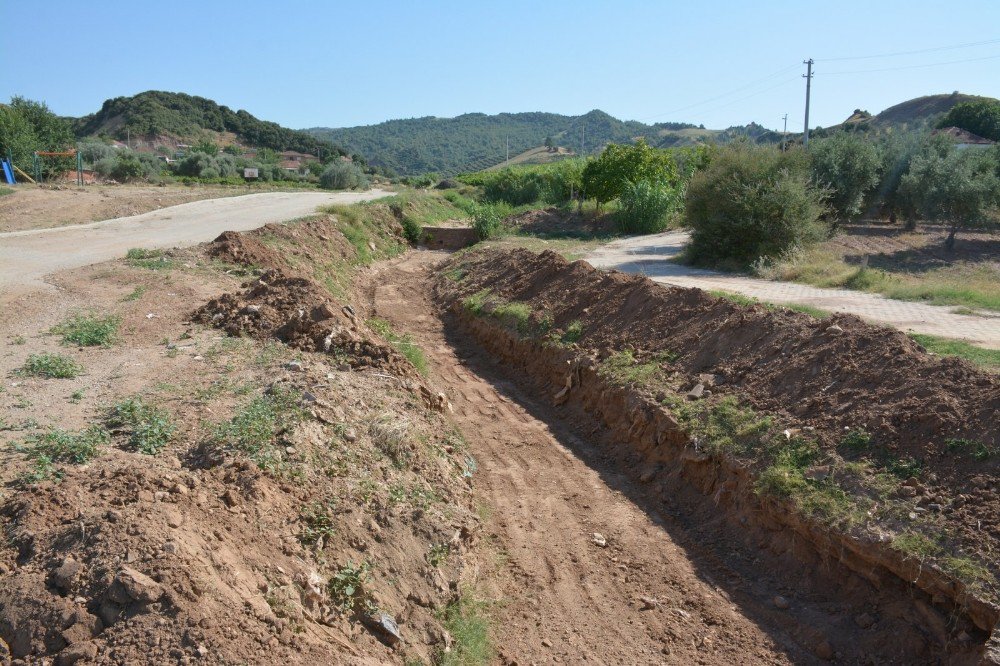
37, 163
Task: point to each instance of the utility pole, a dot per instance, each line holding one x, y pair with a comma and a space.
808, 77
784, 132
507, 161
583, 142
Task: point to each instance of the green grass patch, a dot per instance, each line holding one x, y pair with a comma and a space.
154, 260
89, 330
573, 332
51, 366
742, 299
964, 568
63, 446
4, 191
149, 427
475, 303
256, 426
976, 449
403, 343
989, 359
514, 314
624, 368
724, 426
468, 623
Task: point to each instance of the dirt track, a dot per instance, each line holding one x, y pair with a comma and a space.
26, 257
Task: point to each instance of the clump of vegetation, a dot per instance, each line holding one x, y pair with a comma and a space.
438, 554
625, 368
318, 522
515, 314
466, 621
134, 295
149, 427
412, 229
488, 220
752, 204
622, 165
975, 448
255, 427
857, 440
348, 588
848, 165
155, 260
475, 303
67, 446
404, 343
391, 435
645, 207
573, 332
51, 366
725, 426
90, 330
343, 175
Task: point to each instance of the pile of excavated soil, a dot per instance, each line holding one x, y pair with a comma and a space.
830, 375
302, 314
558, 222
233, 247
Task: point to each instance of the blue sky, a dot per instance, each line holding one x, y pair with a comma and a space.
332, 63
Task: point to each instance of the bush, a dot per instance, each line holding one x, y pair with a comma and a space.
646, 207
412, 229
342, 175
89, 330
605, 178
487, 220
752, 203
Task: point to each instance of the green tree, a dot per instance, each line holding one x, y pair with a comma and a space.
981, 117
27, 126
847, 164
605, 178
205, 146
341, 175
957, 187
752, 203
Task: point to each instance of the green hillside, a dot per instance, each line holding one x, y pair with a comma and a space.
186, 117
476, 141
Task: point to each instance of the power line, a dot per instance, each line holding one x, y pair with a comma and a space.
902, 53
725, 94
896, 69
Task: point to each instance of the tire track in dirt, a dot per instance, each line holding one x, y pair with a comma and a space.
564, 598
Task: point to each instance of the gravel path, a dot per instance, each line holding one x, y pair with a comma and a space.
26, 257
650, 256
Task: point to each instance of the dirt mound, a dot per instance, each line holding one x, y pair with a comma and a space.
141, 559
301, 314
830, 373
558, 222
233, 247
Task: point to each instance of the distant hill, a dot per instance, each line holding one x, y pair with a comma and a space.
915, 113
475, 141
189, 119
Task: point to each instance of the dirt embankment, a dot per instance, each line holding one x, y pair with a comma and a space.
816, 378
305, 507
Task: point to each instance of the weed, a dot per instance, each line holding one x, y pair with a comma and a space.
917, 545
348, 588
475, 303
573, 332
134, 295
89, 330
154, 260
978, 450
724, 426
76, 396
624, 368
515, 314
19, 340
403, 343
58, 445
438, 554
317, 524
51, 366
456, 274
390, 434
466, 621
254, 428
857, 440
150, 427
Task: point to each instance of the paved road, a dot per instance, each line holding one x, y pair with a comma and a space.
649, 255
26, 257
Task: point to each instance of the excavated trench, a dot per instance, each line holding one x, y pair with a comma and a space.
817, 593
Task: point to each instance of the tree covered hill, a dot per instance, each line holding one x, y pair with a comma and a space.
476, 141
186, 117
917, 113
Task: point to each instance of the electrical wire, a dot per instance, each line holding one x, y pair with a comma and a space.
902, 53
896, 69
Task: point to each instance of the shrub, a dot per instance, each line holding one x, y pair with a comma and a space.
752, 203
150, 427
127, 167
411, 229
646, 207
487, 220
605, 178
342, 175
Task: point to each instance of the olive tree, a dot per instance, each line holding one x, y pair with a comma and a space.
848, 165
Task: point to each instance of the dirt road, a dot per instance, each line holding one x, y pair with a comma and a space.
26, 257
651, 256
